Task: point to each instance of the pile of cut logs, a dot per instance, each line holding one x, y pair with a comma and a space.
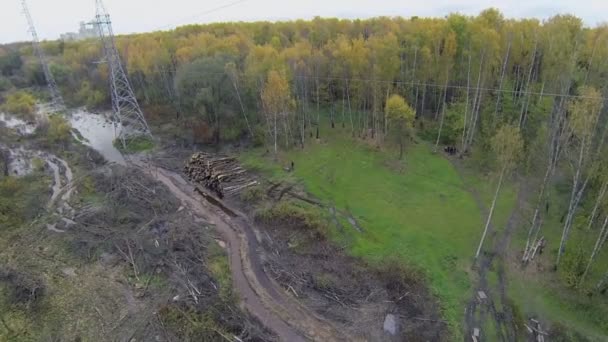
222, 175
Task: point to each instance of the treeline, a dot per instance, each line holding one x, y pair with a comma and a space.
465, 78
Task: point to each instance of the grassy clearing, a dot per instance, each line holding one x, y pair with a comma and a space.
418, 209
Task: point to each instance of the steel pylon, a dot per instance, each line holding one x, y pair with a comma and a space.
126, 109
57, 103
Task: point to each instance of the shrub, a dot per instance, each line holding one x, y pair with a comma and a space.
136, 144
38, 164
560, 333
252, 194
573, 266
5, 83
23, 288
58, 130
296, 216
90, 97
21, 103
399, 276
325, 281
21, 200
259, 136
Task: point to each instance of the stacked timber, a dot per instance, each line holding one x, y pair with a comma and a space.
222, 175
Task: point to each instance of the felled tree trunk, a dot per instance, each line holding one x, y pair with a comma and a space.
221, 174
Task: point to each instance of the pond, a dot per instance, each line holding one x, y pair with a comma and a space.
97, 132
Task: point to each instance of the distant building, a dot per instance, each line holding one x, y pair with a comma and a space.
85, 32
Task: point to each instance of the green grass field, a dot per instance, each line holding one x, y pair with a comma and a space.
417, 209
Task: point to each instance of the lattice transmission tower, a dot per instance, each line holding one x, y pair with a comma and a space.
124, 103
57, 103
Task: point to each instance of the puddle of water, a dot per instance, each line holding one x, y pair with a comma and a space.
20, 126
98, 133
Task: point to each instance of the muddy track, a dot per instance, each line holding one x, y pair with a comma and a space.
259, 295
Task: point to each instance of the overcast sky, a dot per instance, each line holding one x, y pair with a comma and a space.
53, 17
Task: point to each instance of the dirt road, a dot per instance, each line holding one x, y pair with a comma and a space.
259, 295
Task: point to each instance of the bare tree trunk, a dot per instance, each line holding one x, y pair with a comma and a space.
598, 243
286, 128
445, 94
574, 199
414, 80
526, 96
602, 281
5, 157
423, 100
350, 111
238, 95
400, 147
502, 77
598, 201
374, 107
485, 230
476, 105
590, 62
385, 118
536, 216
542, 91
343, 101
275, 134
466, 108
318, 107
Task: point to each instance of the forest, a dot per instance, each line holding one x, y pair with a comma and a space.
520, 101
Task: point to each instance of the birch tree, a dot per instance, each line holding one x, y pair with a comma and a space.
507, 144
584, 114
276, 99
600, 203
401, 117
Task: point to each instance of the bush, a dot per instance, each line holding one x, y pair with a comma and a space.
23, 288
252, 194
573, 266
259, 136
5, 84
38, 164
21, 200
298, 217
399, 276
560, 333
20, 102
58, 130
90, 97
135, 144
325, 281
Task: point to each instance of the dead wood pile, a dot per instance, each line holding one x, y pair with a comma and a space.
221, 174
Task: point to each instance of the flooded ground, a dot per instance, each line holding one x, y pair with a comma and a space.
97, 132
20, 126
92, 129
21, 161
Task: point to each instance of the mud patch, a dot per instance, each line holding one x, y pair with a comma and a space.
355, 296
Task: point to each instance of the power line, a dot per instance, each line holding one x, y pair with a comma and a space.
415, 83
215, 9
124, 103
57, 103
